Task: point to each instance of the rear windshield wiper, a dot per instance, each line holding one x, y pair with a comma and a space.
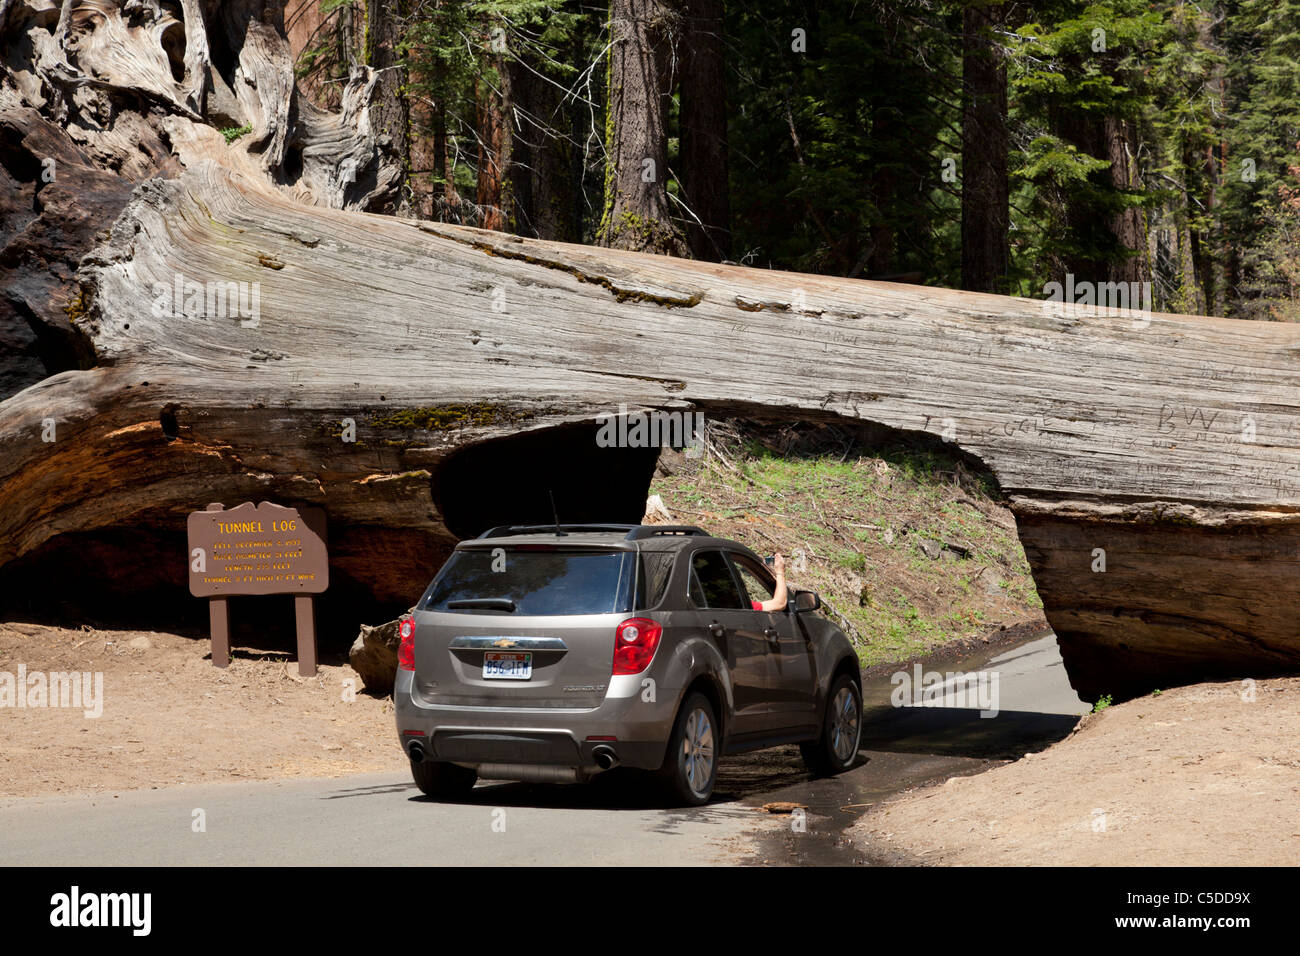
495, 604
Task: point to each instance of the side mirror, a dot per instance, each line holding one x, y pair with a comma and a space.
805, 601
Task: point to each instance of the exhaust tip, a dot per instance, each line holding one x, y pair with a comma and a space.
605, 757
417, 753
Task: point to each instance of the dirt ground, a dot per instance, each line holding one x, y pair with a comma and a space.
1196, 776
170, 717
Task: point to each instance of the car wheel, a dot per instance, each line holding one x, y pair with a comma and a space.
837, 747
443, 781
691, 764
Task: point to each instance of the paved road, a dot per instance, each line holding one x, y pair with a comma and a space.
382, 819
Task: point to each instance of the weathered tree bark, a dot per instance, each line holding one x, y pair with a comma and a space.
704, 131
985, 210
391, 112
643, 36
1152, 462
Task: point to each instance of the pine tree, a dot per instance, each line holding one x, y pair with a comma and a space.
1081, 99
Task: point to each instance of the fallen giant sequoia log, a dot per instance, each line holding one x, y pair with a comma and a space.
1153, 463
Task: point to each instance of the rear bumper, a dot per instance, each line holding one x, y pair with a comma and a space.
502, 737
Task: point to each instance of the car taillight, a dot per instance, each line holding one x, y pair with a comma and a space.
406, 650
635, 641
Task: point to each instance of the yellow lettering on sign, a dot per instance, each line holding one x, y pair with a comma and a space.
240, 527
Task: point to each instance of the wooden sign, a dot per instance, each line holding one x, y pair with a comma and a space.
267, 549
262, 549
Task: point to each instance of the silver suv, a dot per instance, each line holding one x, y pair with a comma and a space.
555, 653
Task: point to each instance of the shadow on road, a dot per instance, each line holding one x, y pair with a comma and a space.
959, 732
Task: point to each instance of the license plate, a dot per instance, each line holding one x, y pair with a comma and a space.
498, 665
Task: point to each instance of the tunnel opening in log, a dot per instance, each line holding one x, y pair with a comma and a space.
510, 481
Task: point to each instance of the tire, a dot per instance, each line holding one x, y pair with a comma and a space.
691, 764
443, 781
835, 750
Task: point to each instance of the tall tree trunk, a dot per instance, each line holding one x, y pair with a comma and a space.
391, 112
704, 131
1192, 295
424, 157
1128, 225
636, 216
985, 254
494, 136
1114, 140
433, 193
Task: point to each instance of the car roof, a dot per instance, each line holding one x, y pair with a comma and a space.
614, 537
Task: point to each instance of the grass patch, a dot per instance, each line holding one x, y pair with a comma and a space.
911, 548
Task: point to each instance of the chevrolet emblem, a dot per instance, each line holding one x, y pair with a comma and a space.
505, 642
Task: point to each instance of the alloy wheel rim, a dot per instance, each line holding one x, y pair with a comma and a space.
697, 751
844, 725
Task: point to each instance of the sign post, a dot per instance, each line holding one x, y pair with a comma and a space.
262, 549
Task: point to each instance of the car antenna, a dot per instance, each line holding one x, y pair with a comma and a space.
556, 513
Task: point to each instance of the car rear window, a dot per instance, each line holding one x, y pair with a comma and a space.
550, 581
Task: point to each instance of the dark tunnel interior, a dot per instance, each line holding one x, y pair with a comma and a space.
511, 480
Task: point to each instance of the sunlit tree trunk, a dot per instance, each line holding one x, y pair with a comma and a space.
643, 36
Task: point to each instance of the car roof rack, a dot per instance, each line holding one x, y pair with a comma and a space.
501, 531
653, 530
630, 532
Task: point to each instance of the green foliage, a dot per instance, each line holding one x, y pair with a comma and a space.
1104, 701
1071, 79
234, 132
454, 55
836, 152
1262, 130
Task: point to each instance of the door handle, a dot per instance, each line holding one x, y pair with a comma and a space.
771, 634
716, 629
